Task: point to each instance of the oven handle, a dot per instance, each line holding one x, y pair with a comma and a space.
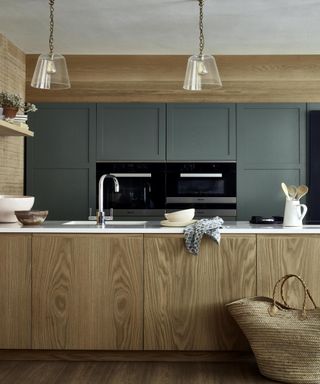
201, 200
132, 175
200, 174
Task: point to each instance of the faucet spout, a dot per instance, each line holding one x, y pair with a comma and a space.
101, 214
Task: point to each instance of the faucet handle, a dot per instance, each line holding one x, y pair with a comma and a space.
110, 217
91, 217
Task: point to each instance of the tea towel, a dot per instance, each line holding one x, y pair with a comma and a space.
193, 233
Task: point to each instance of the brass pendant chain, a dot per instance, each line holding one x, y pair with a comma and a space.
51, 4
201, 37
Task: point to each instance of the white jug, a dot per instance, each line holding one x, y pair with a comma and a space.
292, 213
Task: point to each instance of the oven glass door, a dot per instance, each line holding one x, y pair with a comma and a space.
135, 192
197, 182
141, 186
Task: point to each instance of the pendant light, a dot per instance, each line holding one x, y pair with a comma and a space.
51, 69
202, 69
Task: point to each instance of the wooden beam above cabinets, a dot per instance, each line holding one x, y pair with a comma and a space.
127, 78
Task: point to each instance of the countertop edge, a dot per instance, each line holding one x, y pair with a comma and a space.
152, 227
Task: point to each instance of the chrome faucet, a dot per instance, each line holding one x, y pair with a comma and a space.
101, 215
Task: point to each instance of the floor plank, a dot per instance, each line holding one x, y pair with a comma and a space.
32, 372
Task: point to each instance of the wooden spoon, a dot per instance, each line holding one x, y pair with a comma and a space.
292, 191
301, 191
285, 190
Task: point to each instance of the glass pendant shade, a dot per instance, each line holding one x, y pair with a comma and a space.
201, 73
51, 72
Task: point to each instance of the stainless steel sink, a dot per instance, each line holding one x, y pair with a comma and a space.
107, 223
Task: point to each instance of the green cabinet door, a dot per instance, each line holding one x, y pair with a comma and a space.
201, 132
131, 132
60, 160
271, 148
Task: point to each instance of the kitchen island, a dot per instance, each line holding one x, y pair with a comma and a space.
136, 288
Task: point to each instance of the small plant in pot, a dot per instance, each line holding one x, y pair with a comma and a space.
10, 104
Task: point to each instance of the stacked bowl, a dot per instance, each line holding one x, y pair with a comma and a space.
179, 218
11, 203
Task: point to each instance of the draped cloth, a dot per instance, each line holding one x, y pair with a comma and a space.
193, 233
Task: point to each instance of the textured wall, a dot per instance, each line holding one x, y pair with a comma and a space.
12, 79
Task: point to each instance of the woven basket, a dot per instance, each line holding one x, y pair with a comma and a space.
285, 340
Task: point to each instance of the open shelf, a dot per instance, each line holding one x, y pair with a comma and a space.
10, 129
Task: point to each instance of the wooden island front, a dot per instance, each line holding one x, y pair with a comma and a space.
140, 292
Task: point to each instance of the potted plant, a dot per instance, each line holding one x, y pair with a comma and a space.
10, 104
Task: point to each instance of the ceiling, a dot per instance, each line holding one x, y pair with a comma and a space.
164, 26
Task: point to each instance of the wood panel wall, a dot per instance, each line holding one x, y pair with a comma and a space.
12, 79
102, 78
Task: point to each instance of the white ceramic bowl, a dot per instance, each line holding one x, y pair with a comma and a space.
180, 216
11, 203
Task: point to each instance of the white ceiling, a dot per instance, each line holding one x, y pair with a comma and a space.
164, 26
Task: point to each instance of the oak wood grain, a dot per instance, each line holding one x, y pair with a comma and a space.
128, 372
155, 78
278, 255
12, 80
185, 295
15, 291
87, 292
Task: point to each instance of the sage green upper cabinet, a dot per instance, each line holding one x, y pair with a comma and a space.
201, 132
271, 148
131, 132
60, 160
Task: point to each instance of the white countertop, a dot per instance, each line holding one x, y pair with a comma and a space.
152, 227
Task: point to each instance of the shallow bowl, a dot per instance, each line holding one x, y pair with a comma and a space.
185, 215
11, 203
31, 217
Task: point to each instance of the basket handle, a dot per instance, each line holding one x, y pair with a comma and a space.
287, 277
274, 308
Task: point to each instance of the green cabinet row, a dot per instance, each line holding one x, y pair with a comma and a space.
268, 141
159, 132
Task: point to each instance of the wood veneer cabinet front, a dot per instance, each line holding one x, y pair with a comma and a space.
185, 295
15, 291
278, 255
87, 292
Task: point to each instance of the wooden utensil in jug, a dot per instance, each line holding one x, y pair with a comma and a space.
292, 191
301, 191
285, 190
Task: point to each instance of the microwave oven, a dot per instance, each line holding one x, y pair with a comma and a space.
141, 189
210, 188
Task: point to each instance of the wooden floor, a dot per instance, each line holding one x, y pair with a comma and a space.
38, 372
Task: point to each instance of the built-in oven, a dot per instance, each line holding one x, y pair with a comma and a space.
210, 188
141, 189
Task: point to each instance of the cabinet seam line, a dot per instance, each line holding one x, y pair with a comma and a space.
31, 291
